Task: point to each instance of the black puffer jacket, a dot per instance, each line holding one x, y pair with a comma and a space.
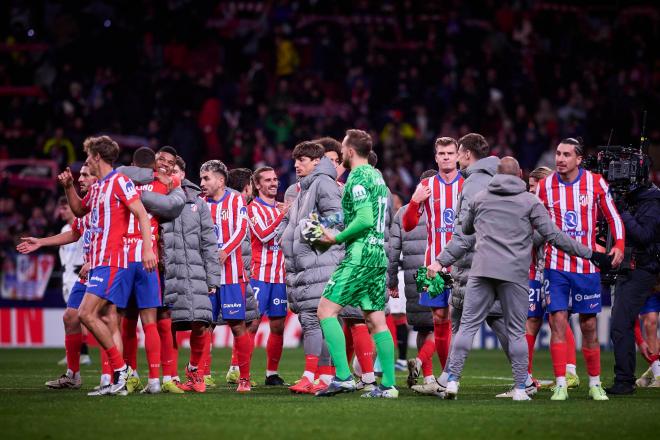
643, 227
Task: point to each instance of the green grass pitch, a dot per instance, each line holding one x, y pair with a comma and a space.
29, 410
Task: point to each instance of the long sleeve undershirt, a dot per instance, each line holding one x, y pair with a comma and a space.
364, 219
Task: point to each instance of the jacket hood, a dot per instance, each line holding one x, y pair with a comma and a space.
506, 184
190, 189
324, 167
487, 165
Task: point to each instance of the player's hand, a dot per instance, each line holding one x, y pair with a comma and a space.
165, 180
212, 290
617, 256
327, 238
149, 260
65, 178
84, 271
28, 245
284, 207
393, 292
421, 193
433, 269
646, 351
223, 257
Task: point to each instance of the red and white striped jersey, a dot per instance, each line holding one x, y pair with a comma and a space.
133, 234
108, 200
229, 216
267, 257
81, 225
574, 208
440, 210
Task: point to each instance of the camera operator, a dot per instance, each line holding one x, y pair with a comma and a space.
640, 212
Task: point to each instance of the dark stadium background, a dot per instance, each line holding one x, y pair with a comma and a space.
244, 81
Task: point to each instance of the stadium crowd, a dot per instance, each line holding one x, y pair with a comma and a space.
240, 84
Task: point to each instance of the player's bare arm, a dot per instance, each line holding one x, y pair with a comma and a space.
75, 202
31, 244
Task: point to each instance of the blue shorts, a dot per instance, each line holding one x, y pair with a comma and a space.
76, 295
110, 284
230, 299
144, 286
271, 298
651, 305
583, 290
535, 300
439, 302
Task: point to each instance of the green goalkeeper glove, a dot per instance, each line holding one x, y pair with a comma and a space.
434, 286
311, 229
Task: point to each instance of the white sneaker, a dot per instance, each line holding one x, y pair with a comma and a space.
519, 395
655, 383
451, 393
646, 379
85, 359
101, 390
530, 390
401, 365
430, 389
64, 381
118, 387
361, 385
151, 388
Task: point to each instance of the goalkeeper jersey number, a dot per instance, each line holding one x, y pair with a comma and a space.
365, 186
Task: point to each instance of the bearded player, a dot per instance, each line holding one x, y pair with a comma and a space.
359, 280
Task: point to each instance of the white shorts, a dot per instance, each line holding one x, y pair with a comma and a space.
398, 305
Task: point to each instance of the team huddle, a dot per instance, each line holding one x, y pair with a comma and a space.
180, 257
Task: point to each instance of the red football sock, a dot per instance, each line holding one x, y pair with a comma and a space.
130, 340
592, 359
168, 354
427, 350
348, 337
364, 347
208, 352
197, 346
172, 369
274, 351
244, 354
389, 320
427, 366
234, 356
105, 362
311, 363
570, 346
327, 370
558, 353
72, 343
115, 358
531, 341
152, 347
653, 358
442, 333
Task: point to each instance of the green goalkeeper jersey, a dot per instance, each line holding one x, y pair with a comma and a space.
365, 187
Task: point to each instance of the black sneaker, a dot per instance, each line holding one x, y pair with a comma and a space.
621, 389
275, 380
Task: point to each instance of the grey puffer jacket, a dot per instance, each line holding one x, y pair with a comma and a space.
406, 250
460, 249
190, 257
308, 269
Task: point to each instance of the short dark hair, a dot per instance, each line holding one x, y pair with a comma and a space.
168, 149
309, 149
360, 141
444, 141
62, 201
372, 158
144, 157
215, 166
181, 163
475, 143
428, 173
329, 144
104, 146
256, 176
577, 142
239, 178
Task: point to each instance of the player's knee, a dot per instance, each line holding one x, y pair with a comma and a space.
277, 326
588, 325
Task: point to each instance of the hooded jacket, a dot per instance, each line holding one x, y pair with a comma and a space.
309, 268
643, 228
504, 217
458, 252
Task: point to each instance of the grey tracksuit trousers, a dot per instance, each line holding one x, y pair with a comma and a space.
482, 293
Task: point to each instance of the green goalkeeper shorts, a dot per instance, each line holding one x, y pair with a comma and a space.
358, 286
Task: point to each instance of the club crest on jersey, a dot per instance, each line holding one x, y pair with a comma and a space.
87, 238
448, 215
359, 192
243, 211
571, 219
94, 218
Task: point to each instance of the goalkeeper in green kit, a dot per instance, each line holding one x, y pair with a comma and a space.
359, 280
